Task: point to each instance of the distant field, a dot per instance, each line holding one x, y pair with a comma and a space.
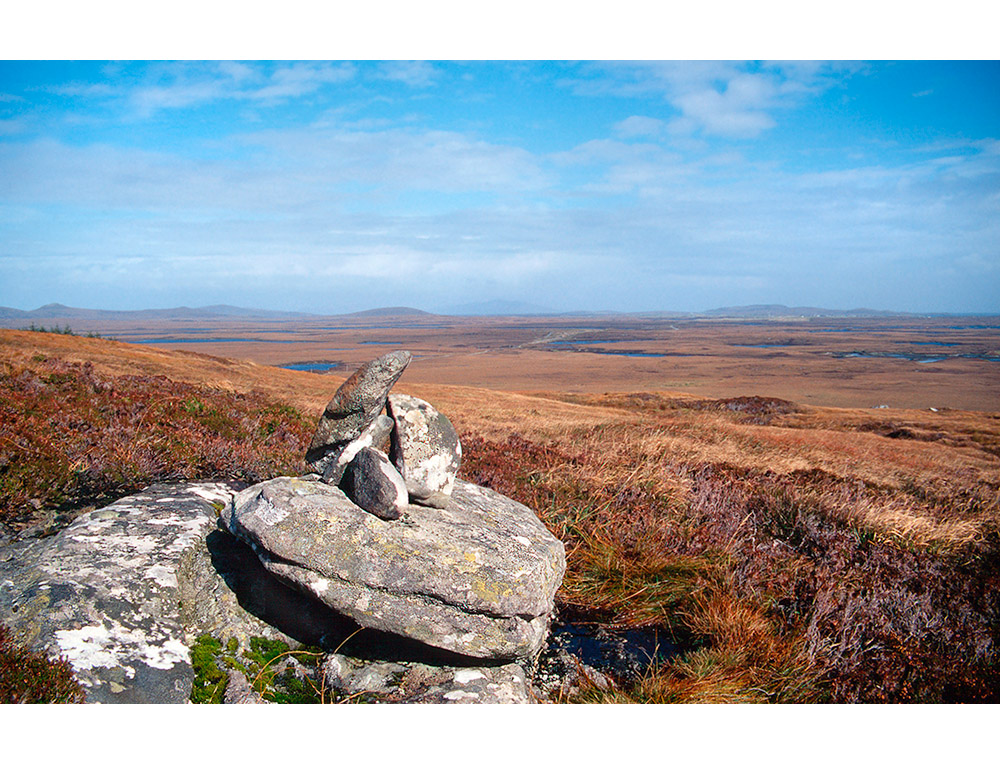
795, 552
899, 362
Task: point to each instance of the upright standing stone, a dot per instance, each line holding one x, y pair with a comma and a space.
354, 407
425, 449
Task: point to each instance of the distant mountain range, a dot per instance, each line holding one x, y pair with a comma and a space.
55, 311
62, 313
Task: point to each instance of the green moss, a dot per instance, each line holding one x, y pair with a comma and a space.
209, 680
263, 664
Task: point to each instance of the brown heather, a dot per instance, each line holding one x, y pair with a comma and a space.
798, 554
71, 436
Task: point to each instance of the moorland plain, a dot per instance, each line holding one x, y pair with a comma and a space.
795, 552
859, 362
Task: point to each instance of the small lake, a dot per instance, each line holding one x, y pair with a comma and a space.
917, 358
317, 367
624, 654
182, 340
772, 345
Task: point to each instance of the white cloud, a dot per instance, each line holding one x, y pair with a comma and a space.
418, 74
714, 98
638, 126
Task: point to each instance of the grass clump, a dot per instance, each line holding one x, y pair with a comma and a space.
30, 677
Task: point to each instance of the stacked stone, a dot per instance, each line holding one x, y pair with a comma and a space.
462, 568
425, 452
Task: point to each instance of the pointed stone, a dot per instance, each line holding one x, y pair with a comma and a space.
354, 406
425, 449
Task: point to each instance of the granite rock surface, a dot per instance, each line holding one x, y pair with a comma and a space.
425, 449
477, 578
354, 406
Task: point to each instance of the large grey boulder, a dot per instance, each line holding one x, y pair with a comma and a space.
425, 449
123, 591
107, 593
354, 407
477, 578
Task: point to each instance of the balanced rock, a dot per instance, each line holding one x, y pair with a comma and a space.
371, 482
354, 406
375, 435
477, 578
425, 449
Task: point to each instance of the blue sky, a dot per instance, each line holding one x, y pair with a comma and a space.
597, 185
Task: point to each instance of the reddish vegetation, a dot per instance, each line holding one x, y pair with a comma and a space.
800, 553
71, 435
28, 677
787, 593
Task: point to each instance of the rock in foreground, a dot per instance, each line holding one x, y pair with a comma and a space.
477, 578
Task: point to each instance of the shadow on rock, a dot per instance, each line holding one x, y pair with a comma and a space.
304, 620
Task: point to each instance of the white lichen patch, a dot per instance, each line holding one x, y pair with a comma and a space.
523, 540
168, 654
435, 472
212, 492
162, 575
101, 646
116, 544
269, 514
464, 676
88, 647
460, 695
320, 585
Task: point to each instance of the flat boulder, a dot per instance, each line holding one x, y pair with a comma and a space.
477, 578
425, 449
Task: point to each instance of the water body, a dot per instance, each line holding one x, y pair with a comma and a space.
181, 340
625, 654
626, 353
773, 345
918, 358
586, 342
937, 344
318, 367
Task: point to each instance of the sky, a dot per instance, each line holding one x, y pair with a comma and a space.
336, 186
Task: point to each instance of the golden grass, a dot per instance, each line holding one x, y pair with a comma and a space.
800, 553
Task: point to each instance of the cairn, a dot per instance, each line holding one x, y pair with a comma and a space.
395, 541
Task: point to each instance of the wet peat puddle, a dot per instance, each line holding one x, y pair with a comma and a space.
623, 654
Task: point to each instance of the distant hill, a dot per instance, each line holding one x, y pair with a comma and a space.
57, 312
783, 311
389, 312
